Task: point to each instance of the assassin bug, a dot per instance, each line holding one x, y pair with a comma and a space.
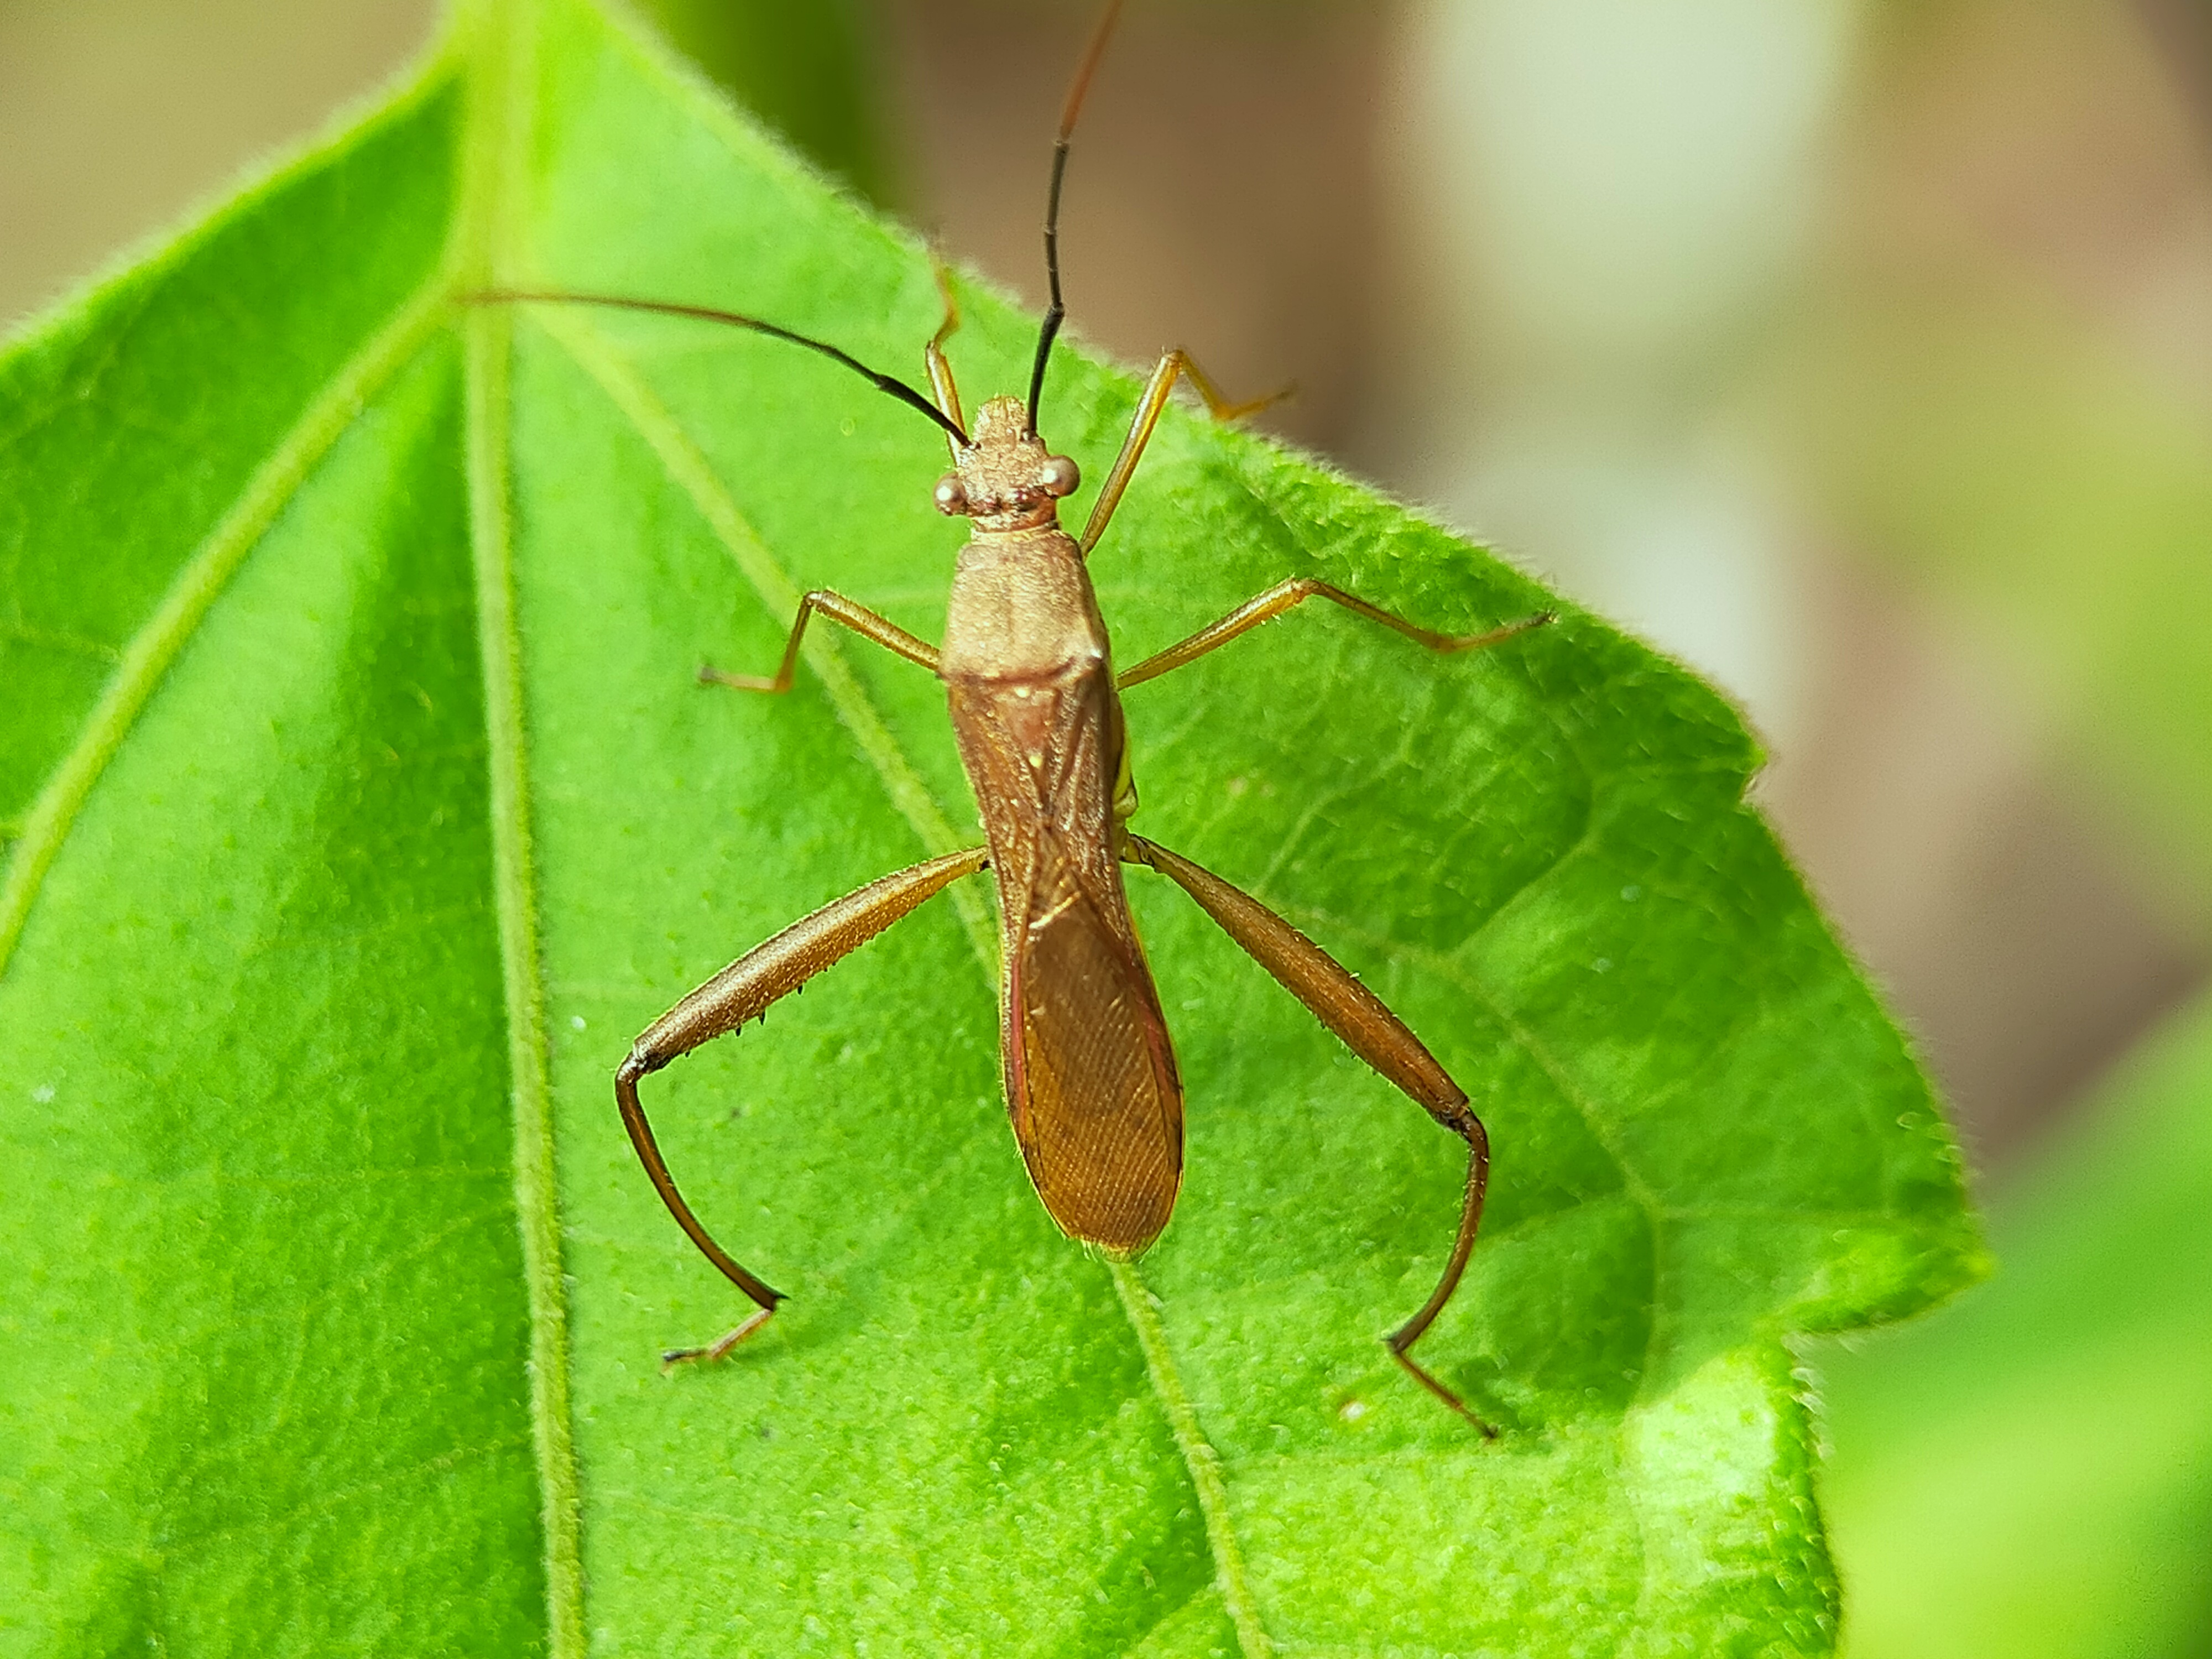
1089, 1074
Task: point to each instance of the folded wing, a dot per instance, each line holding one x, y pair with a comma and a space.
1096, 1106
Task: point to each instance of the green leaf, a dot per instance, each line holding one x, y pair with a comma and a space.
2028, 1474
364, 806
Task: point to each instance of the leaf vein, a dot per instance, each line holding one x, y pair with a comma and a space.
159, 642
51, 639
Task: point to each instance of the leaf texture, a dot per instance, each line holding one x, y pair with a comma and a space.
362, 804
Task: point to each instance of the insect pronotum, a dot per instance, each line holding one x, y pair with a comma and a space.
1091, 1079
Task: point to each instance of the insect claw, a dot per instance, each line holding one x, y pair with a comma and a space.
671, 1358
1419, 1374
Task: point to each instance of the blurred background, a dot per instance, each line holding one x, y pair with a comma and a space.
1857, 353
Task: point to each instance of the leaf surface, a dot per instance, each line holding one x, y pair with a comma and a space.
364, 804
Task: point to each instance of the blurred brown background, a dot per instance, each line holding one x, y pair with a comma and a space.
1859, 354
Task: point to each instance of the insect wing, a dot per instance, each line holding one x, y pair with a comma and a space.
1091, 1083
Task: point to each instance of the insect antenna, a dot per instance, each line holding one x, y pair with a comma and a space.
1056, 310
888, 383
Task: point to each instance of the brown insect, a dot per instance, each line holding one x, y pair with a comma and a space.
1090, 1073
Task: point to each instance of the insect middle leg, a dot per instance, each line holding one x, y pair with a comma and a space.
1378, 1036
743, 991
1282, 597
839, 609
1154, 398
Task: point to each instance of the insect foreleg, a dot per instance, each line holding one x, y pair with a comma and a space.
1376, 1036
839, 609
1282, 597
1154, 398
743, 990
941, 382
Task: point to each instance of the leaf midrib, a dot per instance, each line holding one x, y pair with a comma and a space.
495, 42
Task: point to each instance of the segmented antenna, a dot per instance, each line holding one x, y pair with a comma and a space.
1056, 310
896, 387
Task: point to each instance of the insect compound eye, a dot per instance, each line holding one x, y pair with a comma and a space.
950, 495
1060, 476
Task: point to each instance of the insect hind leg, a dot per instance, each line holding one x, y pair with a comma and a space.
744, 990
1378, 1036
